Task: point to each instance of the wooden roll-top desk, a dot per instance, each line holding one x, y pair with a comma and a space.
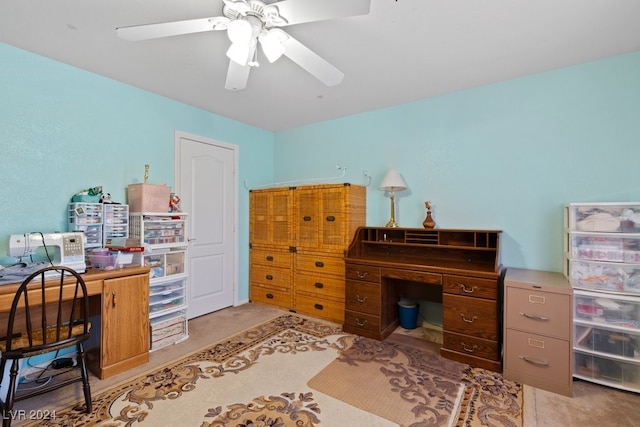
459, 268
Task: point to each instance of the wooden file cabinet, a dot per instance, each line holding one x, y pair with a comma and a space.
538, 336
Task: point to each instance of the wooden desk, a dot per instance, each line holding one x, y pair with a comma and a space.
458, 268
119, 312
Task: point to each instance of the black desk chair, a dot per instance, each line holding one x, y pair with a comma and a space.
32, 331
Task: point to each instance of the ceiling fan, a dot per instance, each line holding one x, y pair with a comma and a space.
252, 22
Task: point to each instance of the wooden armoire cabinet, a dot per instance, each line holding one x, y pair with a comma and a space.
298, 237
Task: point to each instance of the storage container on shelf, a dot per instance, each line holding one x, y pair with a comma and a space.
110, 260
145, 197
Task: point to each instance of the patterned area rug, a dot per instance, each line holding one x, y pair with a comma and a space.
275, 375
412, 387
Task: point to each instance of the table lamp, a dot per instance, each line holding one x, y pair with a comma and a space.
392, 182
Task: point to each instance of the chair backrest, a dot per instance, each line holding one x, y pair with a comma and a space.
49, 311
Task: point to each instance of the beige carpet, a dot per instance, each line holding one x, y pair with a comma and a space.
259, 378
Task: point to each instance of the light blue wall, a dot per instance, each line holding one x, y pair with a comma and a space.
63, 130
506, 156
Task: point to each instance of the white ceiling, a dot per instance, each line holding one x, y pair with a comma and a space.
401, 51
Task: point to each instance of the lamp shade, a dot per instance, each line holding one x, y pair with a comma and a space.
393, 181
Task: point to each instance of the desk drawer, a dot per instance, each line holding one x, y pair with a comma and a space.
538, 355
470, 345
470, 316
470, 286
362, 324
363, 297
539, 312
362, 272
412, 275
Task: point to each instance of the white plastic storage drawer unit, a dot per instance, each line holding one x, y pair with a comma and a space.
607, 339
86, 217
166, 254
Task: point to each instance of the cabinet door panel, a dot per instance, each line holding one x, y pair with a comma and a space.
125, 330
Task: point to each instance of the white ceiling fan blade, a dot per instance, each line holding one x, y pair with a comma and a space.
237, 76
300, 11
166, 29
312, 62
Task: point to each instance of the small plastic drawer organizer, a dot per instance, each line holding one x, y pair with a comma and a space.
158, 230
165, 262
115, 221
86, 217
607, 339
168, 329
167, 296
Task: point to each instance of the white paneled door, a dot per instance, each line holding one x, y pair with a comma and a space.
207, 186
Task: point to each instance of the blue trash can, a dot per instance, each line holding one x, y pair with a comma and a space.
408, 314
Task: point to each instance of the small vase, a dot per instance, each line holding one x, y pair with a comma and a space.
428, 221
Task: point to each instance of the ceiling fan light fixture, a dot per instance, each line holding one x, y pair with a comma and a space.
271, 45
239, 53
239, 31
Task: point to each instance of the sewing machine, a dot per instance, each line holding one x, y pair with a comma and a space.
66, 249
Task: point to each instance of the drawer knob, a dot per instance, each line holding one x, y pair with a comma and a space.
269, 258
533, 361
361, 323
318, 306
331, 218
473, 319
270, 296
319, 285
469, 350
362, 275
306, 218
468, 291
319, 264
533, 316
360, 299
269, 277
